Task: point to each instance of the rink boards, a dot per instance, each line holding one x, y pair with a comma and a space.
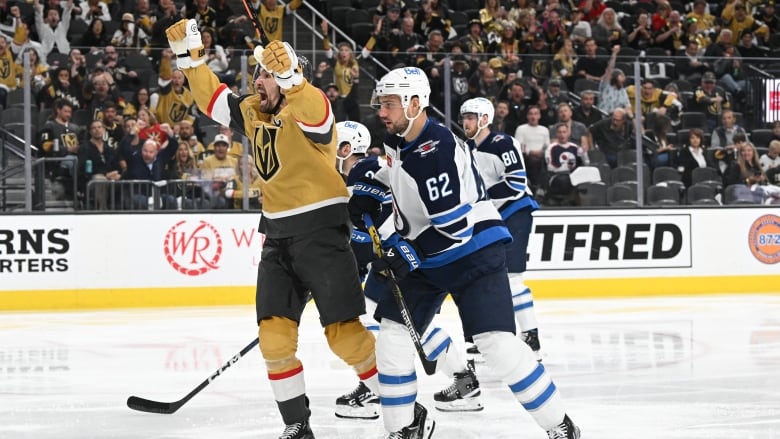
181, 259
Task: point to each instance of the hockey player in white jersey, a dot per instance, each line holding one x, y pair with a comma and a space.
451, 240
500, 161
354, 139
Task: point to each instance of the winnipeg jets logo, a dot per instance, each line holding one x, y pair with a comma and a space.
427, 147
497, 138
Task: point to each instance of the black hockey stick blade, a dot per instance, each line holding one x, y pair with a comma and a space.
167, 408
428, 366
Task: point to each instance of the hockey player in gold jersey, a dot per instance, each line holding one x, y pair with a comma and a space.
292, 131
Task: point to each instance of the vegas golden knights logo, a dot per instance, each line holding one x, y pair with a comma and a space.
271, 24
5, 68
264, 152
177, 112
539, 68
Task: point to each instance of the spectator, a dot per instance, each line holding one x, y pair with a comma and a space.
746, 168
592, 9
99, 95
670, 36
426, 21
475, 40
385, 31
776, 130
563, 64
608, 32
53, 31
22, 43
9, 76
710, 99
692, 155
60, 87
272, 17
652, 99
140, 100
234, 189
235, 148
126, 78
77, 64
579, 29
578, 132
534, 140
499, 120
384, 7
554, 30
186, 136
766, 14
751, 53
770, 162
346, 73
337, 104
641, 37
219, 168
742, 22
59, 137
723, 136
406, 43
613, 134
203, 13
705, 22
184, 166
563, 155
509, 45
612, 91
728, 70
587, 113
491, 15
90, 10
692, 66
112, 124
536, 61
96, 35
693, 33
660, 126
99, 162
130, 36
149, 164
483, 82
590, 66
174, 102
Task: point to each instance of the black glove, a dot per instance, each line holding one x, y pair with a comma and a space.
367, 197
401, 258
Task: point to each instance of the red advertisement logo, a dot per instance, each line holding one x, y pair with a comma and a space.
193, 249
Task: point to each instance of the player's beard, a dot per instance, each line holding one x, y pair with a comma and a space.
399, 126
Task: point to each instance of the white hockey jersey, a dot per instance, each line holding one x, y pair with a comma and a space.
439, 199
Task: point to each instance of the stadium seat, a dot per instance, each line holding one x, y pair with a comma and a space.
701, 193
738, 194
668, 176
660, 195
621, 195
707, 176
592, 194
760, 137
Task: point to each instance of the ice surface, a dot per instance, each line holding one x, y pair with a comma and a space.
703, 367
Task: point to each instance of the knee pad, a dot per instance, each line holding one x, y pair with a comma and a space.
505, 353
352, 342
278, 343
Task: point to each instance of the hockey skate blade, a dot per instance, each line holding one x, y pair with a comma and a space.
368, 412
461, 405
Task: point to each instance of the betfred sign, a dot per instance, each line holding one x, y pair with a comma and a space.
610, 242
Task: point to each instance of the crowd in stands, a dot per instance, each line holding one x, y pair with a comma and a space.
559, 74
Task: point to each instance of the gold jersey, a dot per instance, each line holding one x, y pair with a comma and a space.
294, 152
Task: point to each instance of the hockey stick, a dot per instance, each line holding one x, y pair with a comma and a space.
255, 22
428, 365
167, 408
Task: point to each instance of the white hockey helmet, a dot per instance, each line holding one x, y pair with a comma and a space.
480, 107
356, 134
405, 82
358, 137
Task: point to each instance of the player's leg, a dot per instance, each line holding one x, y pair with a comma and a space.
463, 395
483, 301
519, 225
279, 305
404, 417
326, 265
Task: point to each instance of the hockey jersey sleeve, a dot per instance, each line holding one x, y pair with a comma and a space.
509, 167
